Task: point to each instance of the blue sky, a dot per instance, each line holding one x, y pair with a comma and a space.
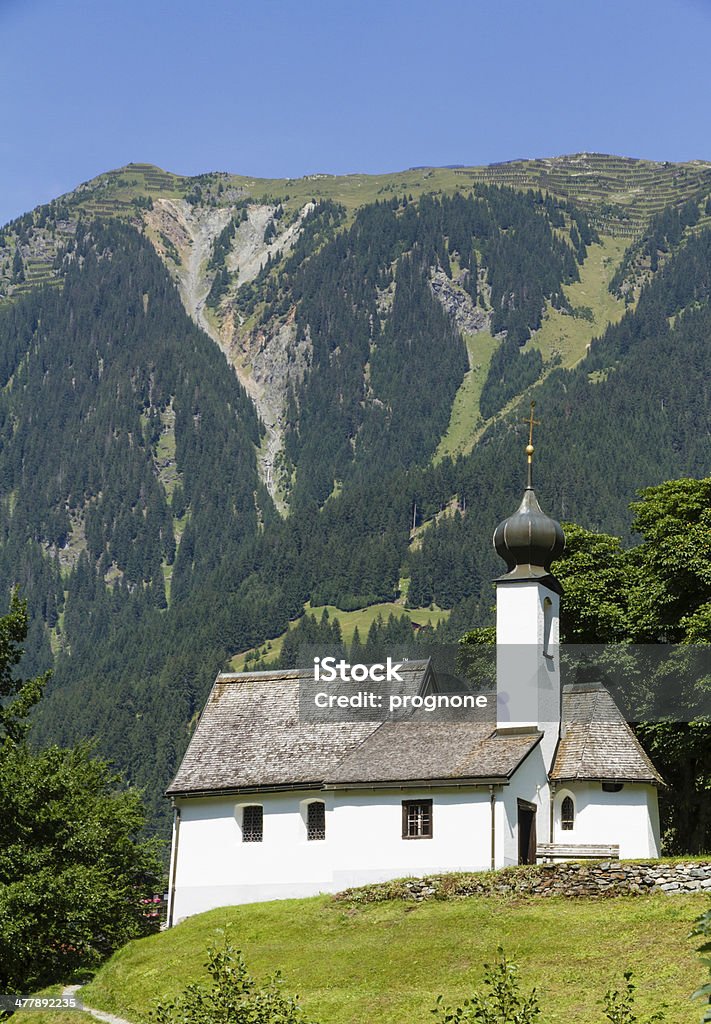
290, 87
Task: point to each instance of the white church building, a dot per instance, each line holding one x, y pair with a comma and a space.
270, 805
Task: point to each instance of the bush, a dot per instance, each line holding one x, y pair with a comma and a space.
233, 998
619, 1006
503, 1004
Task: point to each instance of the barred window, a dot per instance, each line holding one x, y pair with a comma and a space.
316, 820
567, 814
417, 819
253, 824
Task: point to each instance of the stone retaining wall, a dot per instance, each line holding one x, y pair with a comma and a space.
603, 877
593, 879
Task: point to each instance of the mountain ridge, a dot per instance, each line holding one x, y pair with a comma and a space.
184, 217
387, 339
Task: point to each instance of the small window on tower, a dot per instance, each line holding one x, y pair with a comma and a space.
417, 819
316, 820
567, 814
253, 824
547, 627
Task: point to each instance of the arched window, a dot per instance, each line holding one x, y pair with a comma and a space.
567, 814
316, 820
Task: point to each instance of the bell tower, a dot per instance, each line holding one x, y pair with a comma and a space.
527, 617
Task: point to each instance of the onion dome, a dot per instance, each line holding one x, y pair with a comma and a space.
529, 540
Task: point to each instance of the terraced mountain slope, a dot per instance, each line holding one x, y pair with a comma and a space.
192, 223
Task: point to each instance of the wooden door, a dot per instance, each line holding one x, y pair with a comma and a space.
526, 832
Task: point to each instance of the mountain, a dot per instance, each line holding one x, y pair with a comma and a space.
225, 400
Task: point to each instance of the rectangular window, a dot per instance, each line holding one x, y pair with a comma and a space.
253, 824
316, 820
417, 819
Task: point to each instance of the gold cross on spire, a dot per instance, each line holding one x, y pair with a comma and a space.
529, 448
531, 424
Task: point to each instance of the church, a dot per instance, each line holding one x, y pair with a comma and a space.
270, 804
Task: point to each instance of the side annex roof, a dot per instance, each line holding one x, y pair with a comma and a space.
596, 742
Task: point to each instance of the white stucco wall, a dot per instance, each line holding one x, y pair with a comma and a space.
629, 818
368, 843
363, 844
529, 783
364, 837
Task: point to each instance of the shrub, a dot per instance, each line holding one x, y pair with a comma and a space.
503, 1004
619, 1006
234, 997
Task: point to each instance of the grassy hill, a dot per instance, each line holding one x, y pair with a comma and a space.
386, 963
361, 618
561, 337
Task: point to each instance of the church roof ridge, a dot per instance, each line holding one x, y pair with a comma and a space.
278, 674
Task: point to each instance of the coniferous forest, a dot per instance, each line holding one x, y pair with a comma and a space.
133, 514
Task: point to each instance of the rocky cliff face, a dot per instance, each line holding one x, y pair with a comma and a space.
458, 304
266, 359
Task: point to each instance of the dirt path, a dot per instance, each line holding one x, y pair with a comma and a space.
109, 1018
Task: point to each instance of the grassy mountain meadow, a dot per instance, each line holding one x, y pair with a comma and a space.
388, 962
234, 411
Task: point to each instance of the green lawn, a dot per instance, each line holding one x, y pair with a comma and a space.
386, 963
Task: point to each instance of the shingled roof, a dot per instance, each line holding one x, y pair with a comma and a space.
596, 742
424, 750
251, 736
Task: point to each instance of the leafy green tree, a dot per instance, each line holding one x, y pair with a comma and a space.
73, 870
595, 575
673, 596
670, 602
17, 697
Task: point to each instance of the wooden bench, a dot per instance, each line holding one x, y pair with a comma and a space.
577, 851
